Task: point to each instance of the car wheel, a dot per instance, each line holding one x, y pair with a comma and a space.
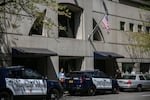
71, 92
139, 88
121, 89
53, 95
91, 91
5, 96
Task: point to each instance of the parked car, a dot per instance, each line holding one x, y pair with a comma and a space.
18, 81
134, 81
89, 82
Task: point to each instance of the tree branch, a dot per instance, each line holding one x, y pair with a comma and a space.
6, 2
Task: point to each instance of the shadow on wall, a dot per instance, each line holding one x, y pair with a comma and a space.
51, 73
5, 52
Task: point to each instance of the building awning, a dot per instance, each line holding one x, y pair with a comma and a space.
99, 54
21, 52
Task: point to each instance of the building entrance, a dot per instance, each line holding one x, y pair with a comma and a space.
108, 66
70, 63
36, 63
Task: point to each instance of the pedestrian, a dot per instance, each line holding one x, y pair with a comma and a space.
118, 74
61, 77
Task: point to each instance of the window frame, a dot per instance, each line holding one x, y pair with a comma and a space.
74, 26
122, 25
131, 27
139, 28
147, 29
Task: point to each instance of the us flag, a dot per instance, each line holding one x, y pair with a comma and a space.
105, 22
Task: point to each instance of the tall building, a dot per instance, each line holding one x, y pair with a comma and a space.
85, 44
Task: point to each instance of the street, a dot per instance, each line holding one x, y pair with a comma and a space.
121, 96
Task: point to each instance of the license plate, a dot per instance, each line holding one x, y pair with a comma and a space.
70, 81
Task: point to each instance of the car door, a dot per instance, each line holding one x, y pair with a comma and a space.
34, 84
147, 81
107, 81
14, 82
143, 81
101, 82
25, 82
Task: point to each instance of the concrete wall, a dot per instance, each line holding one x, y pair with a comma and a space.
115, 41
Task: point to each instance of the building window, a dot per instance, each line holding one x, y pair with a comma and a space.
70, 63
97, 32
127, 67
68, 23
122, 26
131, 26
37, 26
139, 28
145, 67
71, 24
147, 29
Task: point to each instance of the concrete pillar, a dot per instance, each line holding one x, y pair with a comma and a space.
120, 66
88, 63
136, 67
52, 67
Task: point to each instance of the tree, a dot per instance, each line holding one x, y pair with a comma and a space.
141, 40
30, 8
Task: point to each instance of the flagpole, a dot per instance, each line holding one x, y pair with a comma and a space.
89, 36
106, 13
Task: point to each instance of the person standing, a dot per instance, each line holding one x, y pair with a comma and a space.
61, 77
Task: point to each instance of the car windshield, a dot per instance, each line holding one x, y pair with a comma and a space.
128, 76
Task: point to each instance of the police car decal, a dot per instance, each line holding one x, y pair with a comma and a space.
102, 83
26, 86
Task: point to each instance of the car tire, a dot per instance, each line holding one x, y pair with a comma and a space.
121, 89
53, 95
72, 93
4, 95
139, 88
91, 90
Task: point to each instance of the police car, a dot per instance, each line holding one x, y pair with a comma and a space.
19, 81
89, 82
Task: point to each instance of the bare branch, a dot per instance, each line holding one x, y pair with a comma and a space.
6, 2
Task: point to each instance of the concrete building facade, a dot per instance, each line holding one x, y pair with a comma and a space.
85, 44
